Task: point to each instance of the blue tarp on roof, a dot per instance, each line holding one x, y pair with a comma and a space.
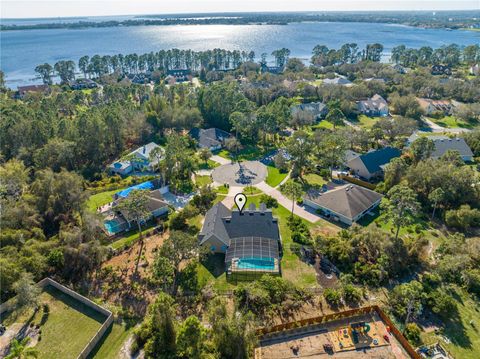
142, 186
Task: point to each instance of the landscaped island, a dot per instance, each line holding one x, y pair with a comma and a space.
360, 227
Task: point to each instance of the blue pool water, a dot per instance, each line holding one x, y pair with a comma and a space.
112, 226
142, 186
256, 263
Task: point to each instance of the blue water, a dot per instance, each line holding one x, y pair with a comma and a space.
112, 226
142, 186
256, 263
22, 50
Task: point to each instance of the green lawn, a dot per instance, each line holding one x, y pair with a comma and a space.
222, 190
274, 177
248, 153
451, 122
325, 124
130, 237
365, 121
464, 337
201, 181
111, 343
67, 328
209, 165
100, 199
311, 180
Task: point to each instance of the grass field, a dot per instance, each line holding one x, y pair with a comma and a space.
66, 329
111, 343
201, 181
451, 122
365, 121
100, 199
209, 165
274, 177
464, 336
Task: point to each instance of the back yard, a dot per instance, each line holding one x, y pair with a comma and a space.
65, 329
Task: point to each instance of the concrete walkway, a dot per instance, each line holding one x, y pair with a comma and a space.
287, 203
228, 201
220, 160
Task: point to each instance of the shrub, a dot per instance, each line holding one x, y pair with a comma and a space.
412, 333
332, 296
352, 294
269, 201
463, 218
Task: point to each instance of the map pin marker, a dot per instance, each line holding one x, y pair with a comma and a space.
240, 201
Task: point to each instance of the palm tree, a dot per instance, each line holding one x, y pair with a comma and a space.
294, 190
19, 350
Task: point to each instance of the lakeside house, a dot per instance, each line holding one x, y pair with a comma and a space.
178, 76
250, 239
140, 160
371, 164
375, 106
83, 84
431, 107
316, 110
438, 69
118, 220
346, 204
442, 144
211, 138
23, 91
338, 81
271, 69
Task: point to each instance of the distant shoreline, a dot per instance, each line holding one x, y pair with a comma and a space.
441, 20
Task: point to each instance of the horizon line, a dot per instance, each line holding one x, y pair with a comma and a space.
241, 12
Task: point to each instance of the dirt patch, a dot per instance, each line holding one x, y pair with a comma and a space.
118, 283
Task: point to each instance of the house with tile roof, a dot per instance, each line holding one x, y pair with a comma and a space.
370, 164
346, 204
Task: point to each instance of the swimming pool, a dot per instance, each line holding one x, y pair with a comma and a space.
112, 226
256, 263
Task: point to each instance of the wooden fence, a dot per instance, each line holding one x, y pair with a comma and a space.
341, 315
358, 181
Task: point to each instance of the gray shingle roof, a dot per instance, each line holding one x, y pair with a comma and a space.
374, 159
349, 200
210, 137
226, 225
442, 145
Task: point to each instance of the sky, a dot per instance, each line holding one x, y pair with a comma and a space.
67, 8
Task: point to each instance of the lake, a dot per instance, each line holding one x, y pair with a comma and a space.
22, 50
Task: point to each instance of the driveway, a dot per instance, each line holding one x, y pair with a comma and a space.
220, 160
437, 128
287, 203
228, 201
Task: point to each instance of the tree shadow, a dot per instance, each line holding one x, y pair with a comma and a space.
214, 263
